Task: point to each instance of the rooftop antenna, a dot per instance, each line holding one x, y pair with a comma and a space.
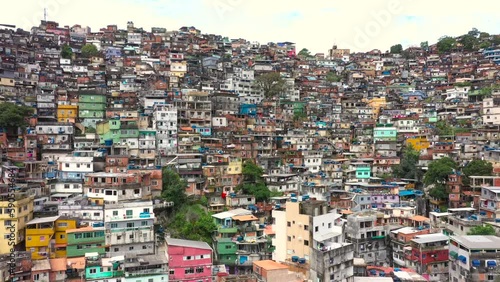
45, 14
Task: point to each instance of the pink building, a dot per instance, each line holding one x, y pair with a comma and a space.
189, 261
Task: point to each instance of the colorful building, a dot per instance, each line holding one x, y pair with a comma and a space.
91, 107
39, 234
67, 113
429, 256
23, 213
385, 132
61, 238
418, 143
85, 240
189, 260
99, 269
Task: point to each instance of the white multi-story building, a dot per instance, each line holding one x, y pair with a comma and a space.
129, 227
165, 123
311, 237
473, 258
242, 83
80, 208
491, 110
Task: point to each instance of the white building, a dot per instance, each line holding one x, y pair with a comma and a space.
165, 123
491, 110
129, 227
473, 258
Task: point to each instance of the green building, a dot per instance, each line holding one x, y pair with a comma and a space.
91, 107
98, 268
117, 131
363, 171
85, 240
385, 132
239, 240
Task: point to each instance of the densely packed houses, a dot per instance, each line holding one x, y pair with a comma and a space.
352, 148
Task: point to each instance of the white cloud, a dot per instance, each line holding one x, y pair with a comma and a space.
315, 24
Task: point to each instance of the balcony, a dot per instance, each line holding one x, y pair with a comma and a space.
42, 231
227, 229
120, 230
145, 272
245, 229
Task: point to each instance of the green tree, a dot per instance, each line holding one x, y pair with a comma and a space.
14, 116
443, 128
446, 44
484, 45
474, 32
439, 170
407, 167
174, 188
496, 40
484, 35
259, 190
468, 42
66, 52
396, 49
424, 45
438, 192
476, 168
304, 53
333, 77
272, 84
192, 222
89, 50
252, 173
253, 182
299, 116
482, 230
486, 91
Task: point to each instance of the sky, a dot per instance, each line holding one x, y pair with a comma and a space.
360, 25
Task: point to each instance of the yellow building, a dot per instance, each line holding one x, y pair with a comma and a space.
418, 143
67, 113
4, 81
42, 236
178, 69
235, 166
23, 212
376, 104
298, 231
61, 239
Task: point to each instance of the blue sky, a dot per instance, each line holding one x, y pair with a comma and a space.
360, 25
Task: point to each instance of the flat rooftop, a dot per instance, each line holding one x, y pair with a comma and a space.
483, 242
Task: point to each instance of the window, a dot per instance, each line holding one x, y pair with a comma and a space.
306, 242
171, 272
199, 269
316, 228
114, 225
129, 213
115, 213
288, 224
93, 270
189, 270
306, 227
228, 247
289, 238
